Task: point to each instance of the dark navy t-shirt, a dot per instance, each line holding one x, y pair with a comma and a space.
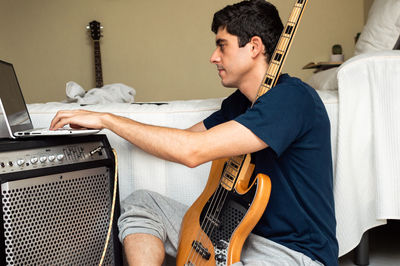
291, 119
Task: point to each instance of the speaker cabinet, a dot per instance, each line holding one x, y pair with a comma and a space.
56, 197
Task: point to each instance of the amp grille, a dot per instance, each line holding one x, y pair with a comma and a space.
59, 219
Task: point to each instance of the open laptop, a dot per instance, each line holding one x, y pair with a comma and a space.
15, 112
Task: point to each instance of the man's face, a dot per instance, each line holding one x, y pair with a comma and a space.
233, 62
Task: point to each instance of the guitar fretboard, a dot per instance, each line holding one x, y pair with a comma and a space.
97, 65
282, 48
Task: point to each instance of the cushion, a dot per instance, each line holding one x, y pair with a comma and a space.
324, 80
382, 28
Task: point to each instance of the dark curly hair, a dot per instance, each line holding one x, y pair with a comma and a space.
248, 19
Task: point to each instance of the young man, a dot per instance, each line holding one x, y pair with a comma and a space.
287, 131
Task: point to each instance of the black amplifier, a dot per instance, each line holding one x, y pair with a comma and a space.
56, 198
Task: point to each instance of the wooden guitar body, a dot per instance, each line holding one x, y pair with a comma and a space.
217, 224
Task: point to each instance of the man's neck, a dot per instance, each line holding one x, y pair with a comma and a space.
251, 85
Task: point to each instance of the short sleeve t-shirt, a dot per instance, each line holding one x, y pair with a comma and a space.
291, 119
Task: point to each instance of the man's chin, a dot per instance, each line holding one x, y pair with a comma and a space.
227, 84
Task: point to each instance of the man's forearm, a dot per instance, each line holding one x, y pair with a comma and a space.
171, 144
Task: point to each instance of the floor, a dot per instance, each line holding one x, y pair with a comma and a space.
384, 243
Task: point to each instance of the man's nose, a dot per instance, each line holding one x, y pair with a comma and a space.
215, 58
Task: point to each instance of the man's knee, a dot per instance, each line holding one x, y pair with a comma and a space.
139, 214
138, 197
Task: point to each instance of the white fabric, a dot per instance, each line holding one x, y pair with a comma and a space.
324, 80
137, 169
382, 28
330, 100
111, 93
367, 182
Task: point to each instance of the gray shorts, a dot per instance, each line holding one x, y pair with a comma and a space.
151, 213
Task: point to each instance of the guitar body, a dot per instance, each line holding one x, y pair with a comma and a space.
213, 234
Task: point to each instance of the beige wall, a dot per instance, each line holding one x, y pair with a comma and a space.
161, 48
367, 6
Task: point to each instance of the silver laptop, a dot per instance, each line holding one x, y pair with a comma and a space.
15, 113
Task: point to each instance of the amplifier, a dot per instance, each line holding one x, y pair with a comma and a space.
56, 198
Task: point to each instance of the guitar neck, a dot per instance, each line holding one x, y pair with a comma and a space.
282, 48
97, 65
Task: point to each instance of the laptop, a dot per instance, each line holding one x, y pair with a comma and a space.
15, 112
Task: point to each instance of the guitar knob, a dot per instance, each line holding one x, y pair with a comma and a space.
220, 257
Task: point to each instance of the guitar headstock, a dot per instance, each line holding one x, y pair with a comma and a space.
95, 30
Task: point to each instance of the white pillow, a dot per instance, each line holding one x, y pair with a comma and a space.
382, 28
324, 80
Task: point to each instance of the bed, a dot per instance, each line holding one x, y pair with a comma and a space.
365, 134
365, 127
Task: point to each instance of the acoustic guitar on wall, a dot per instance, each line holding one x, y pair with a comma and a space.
95, 32
215, 227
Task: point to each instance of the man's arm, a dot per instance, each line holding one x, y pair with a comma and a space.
190, 147
199, 127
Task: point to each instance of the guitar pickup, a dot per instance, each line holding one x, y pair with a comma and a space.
204, 253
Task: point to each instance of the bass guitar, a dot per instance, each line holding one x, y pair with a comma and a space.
215, 227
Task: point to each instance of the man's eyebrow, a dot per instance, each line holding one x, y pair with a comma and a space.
220, 41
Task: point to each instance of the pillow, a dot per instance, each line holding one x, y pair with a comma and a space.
382, 28
324, 80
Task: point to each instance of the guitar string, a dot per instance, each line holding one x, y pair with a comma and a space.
220, 203
215, 197
199, 236
203, 233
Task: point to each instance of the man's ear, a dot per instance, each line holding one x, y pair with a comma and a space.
257, 46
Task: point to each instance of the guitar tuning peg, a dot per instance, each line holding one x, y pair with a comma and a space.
88, 27
101, 27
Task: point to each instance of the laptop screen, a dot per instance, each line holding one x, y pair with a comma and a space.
12, 99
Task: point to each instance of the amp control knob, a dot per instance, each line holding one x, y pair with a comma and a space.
52, 158
43, 159
60, 157
34, 160
20, 162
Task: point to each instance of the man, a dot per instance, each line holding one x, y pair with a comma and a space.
287, 131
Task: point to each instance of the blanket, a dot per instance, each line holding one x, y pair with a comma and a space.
367, 182
111, 93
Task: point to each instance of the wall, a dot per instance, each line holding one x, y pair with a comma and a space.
367, 6
161, 48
